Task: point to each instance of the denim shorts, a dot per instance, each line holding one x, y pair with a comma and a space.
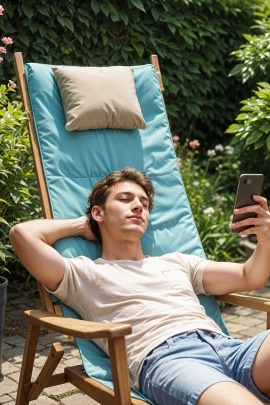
179, 370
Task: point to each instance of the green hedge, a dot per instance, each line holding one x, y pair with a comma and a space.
192, 38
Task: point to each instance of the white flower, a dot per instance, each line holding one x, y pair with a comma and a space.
196, 183
209, 211
206, 184
219, 148
229, 149
211, 152
219, 199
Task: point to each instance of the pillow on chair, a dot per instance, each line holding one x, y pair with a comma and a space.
99, 97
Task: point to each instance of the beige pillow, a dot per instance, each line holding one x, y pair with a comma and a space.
99, 97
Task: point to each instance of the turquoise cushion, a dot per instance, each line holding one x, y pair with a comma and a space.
74, 161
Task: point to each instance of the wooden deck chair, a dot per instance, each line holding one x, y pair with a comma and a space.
67, 165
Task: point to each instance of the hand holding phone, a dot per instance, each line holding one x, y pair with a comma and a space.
248, 186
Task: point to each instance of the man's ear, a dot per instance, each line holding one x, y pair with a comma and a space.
97, 213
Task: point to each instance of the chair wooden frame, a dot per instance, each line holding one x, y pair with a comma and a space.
51, 318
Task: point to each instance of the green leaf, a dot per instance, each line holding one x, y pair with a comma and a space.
104, 7
254, 137
265, 127
4, 221
247, 37
95, 6
172, 28
259, 143
232, 129
138, 4
187, 39
139, 48
44, 10
28, 11
65, 22
42, 30
242, 117
124, 17
268, 142
24, 38
236, 70
155, 13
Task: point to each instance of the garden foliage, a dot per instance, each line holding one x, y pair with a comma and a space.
17, 177
252, 130
192, 38
208, 183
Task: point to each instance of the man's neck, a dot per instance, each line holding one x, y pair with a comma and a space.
122, 251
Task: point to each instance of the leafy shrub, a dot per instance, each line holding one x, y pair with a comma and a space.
252, 130
192, 39
210, 185
18, 191
254, 56
254, 126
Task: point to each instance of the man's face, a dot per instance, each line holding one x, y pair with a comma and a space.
126, 212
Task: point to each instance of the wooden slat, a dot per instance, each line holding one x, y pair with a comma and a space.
99, 392
261, 304
48, 369
41, 182
77, 327
119, 366
154, 61
27, 364
57, 379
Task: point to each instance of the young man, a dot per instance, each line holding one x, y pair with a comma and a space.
176, 354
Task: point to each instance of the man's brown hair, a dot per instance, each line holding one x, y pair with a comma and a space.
101, 191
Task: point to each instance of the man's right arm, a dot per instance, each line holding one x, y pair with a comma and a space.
32, 242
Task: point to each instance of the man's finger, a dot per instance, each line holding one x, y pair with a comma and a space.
248, 222
257, 209
262, 201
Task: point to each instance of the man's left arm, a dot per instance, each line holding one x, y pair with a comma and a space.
224, 278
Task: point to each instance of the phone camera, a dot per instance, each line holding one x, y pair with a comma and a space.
245, 181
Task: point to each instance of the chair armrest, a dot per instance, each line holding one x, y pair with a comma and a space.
261, 304
77, 327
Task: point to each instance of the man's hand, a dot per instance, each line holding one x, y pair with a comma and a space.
87, 231
261, 224
224, 278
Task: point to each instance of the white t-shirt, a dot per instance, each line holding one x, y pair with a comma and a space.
155, 295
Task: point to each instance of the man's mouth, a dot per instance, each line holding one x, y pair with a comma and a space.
136, 217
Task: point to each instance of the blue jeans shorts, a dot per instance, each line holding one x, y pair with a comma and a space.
179, 370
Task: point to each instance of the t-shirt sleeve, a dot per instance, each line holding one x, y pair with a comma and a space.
197, 266
76, 270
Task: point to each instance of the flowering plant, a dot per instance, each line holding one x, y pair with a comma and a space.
210, 183
18, 191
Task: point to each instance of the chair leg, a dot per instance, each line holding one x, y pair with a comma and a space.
119, 366
27, 364
52, 362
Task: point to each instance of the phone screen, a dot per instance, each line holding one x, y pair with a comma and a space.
248, 185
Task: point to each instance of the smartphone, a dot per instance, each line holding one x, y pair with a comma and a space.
248, 185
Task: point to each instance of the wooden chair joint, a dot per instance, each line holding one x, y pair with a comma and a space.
45, 375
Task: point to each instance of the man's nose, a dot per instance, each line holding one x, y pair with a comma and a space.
137, 205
